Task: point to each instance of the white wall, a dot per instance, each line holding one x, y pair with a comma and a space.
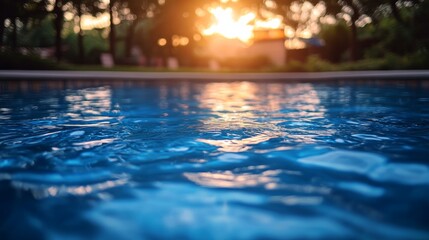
273, 49
221, 48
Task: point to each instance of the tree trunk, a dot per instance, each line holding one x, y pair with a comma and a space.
395, 11
112, 34
14, 37
58, 24
1, 31
353, 41
130, 37
80, 34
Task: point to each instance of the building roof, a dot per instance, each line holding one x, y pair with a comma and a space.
268, 34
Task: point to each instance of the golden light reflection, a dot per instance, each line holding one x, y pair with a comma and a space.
236, 106
232, 97
241, 145
89, 104
228, 179
253, 111
241, 115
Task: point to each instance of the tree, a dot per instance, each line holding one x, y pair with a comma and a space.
139, 10
352, 8
380, 9
3, 17
58, 12
358, 9
19, 11
303, 16
177, 19
336, 38
81, 7
37, 33
403, 36
112, 33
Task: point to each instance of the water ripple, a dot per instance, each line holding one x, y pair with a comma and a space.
409, 174
213, 160
348, 161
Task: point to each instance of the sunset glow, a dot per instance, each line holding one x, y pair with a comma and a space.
227, 24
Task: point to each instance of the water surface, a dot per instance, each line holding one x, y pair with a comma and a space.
214, 160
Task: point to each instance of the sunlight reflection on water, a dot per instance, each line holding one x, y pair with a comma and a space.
238, 106
214, 160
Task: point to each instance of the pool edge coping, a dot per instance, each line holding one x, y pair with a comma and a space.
119, 75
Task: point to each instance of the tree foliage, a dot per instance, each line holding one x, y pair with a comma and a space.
336, 38
396, 26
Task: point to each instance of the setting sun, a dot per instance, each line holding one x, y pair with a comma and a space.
229, 25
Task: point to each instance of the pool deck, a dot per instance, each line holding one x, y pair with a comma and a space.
114, 75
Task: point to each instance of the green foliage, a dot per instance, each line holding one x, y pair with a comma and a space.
394, 37
397, 37
420, 20
246, 63
336, 38
94, 43
364, 64
418, 60
295, 66
403, 33
38, 35
145, 40
315, 64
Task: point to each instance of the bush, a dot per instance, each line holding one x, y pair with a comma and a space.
295, 66
313, 64
336, 37
17, 61
418, 60
365, 64
246, 63
316, 64
389, 62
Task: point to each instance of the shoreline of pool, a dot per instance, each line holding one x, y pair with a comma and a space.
292, 76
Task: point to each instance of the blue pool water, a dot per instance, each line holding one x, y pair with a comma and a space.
214, 160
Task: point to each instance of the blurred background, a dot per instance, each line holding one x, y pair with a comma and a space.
272, 35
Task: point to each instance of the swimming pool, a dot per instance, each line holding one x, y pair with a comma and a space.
214, 160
